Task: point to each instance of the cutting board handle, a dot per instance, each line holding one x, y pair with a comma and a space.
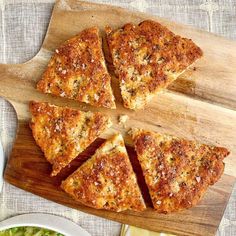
18, 82
9, 82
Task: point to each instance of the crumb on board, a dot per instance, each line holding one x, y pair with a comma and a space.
123, 119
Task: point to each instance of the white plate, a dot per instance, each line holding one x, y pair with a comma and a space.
47, 221
2, 164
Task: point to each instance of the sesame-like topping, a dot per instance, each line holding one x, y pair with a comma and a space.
198, 178
123, 119
96, 97
62, 94
57, 128
158, 202
83, 66
64, 72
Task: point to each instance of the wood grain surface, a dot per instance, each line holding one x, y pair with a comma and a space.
28, 169
200, 105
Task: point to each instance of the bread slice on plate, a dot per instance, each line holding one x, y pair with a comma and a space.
78, 71
147, 58
63, 133
177, 171
106, 181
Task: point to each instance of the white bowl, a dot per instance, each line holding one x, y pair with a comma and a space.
47, 221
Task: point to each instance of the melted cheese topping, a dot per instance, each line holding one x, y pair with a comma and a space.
177, 171
147, 58
78, 71
106, 181
63, 133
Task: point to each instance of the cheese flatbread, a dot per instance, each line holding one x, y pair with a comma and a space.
77, 71
63, 133
147, 58
177, 171
106, 181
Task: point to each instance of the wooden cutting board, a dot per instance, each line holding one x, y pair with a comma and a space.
200, 105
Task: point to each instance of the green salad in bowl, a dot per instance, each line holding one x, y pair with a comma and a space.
29, 231
40, 224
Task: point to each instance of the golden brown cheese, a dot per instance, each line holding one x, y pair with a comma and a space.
77, 71
106, 181
63, 133
147, 58
177, 171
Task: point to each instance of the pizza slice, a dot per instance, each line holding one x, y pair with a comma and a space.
63, 133
78, 71
177, 171
107, 180
147, 58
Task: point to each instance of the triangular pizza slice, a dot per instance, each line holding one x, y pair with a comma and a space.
177, 171
107, 180
147, 58
63, 133
78, 71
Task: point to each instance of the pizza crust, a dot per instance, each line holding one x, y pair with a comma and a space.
177, 171
106, 180
78, 71
147, 58
63, 133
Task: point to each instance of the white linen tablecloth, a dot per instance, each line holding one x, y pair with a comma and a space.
23, 24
